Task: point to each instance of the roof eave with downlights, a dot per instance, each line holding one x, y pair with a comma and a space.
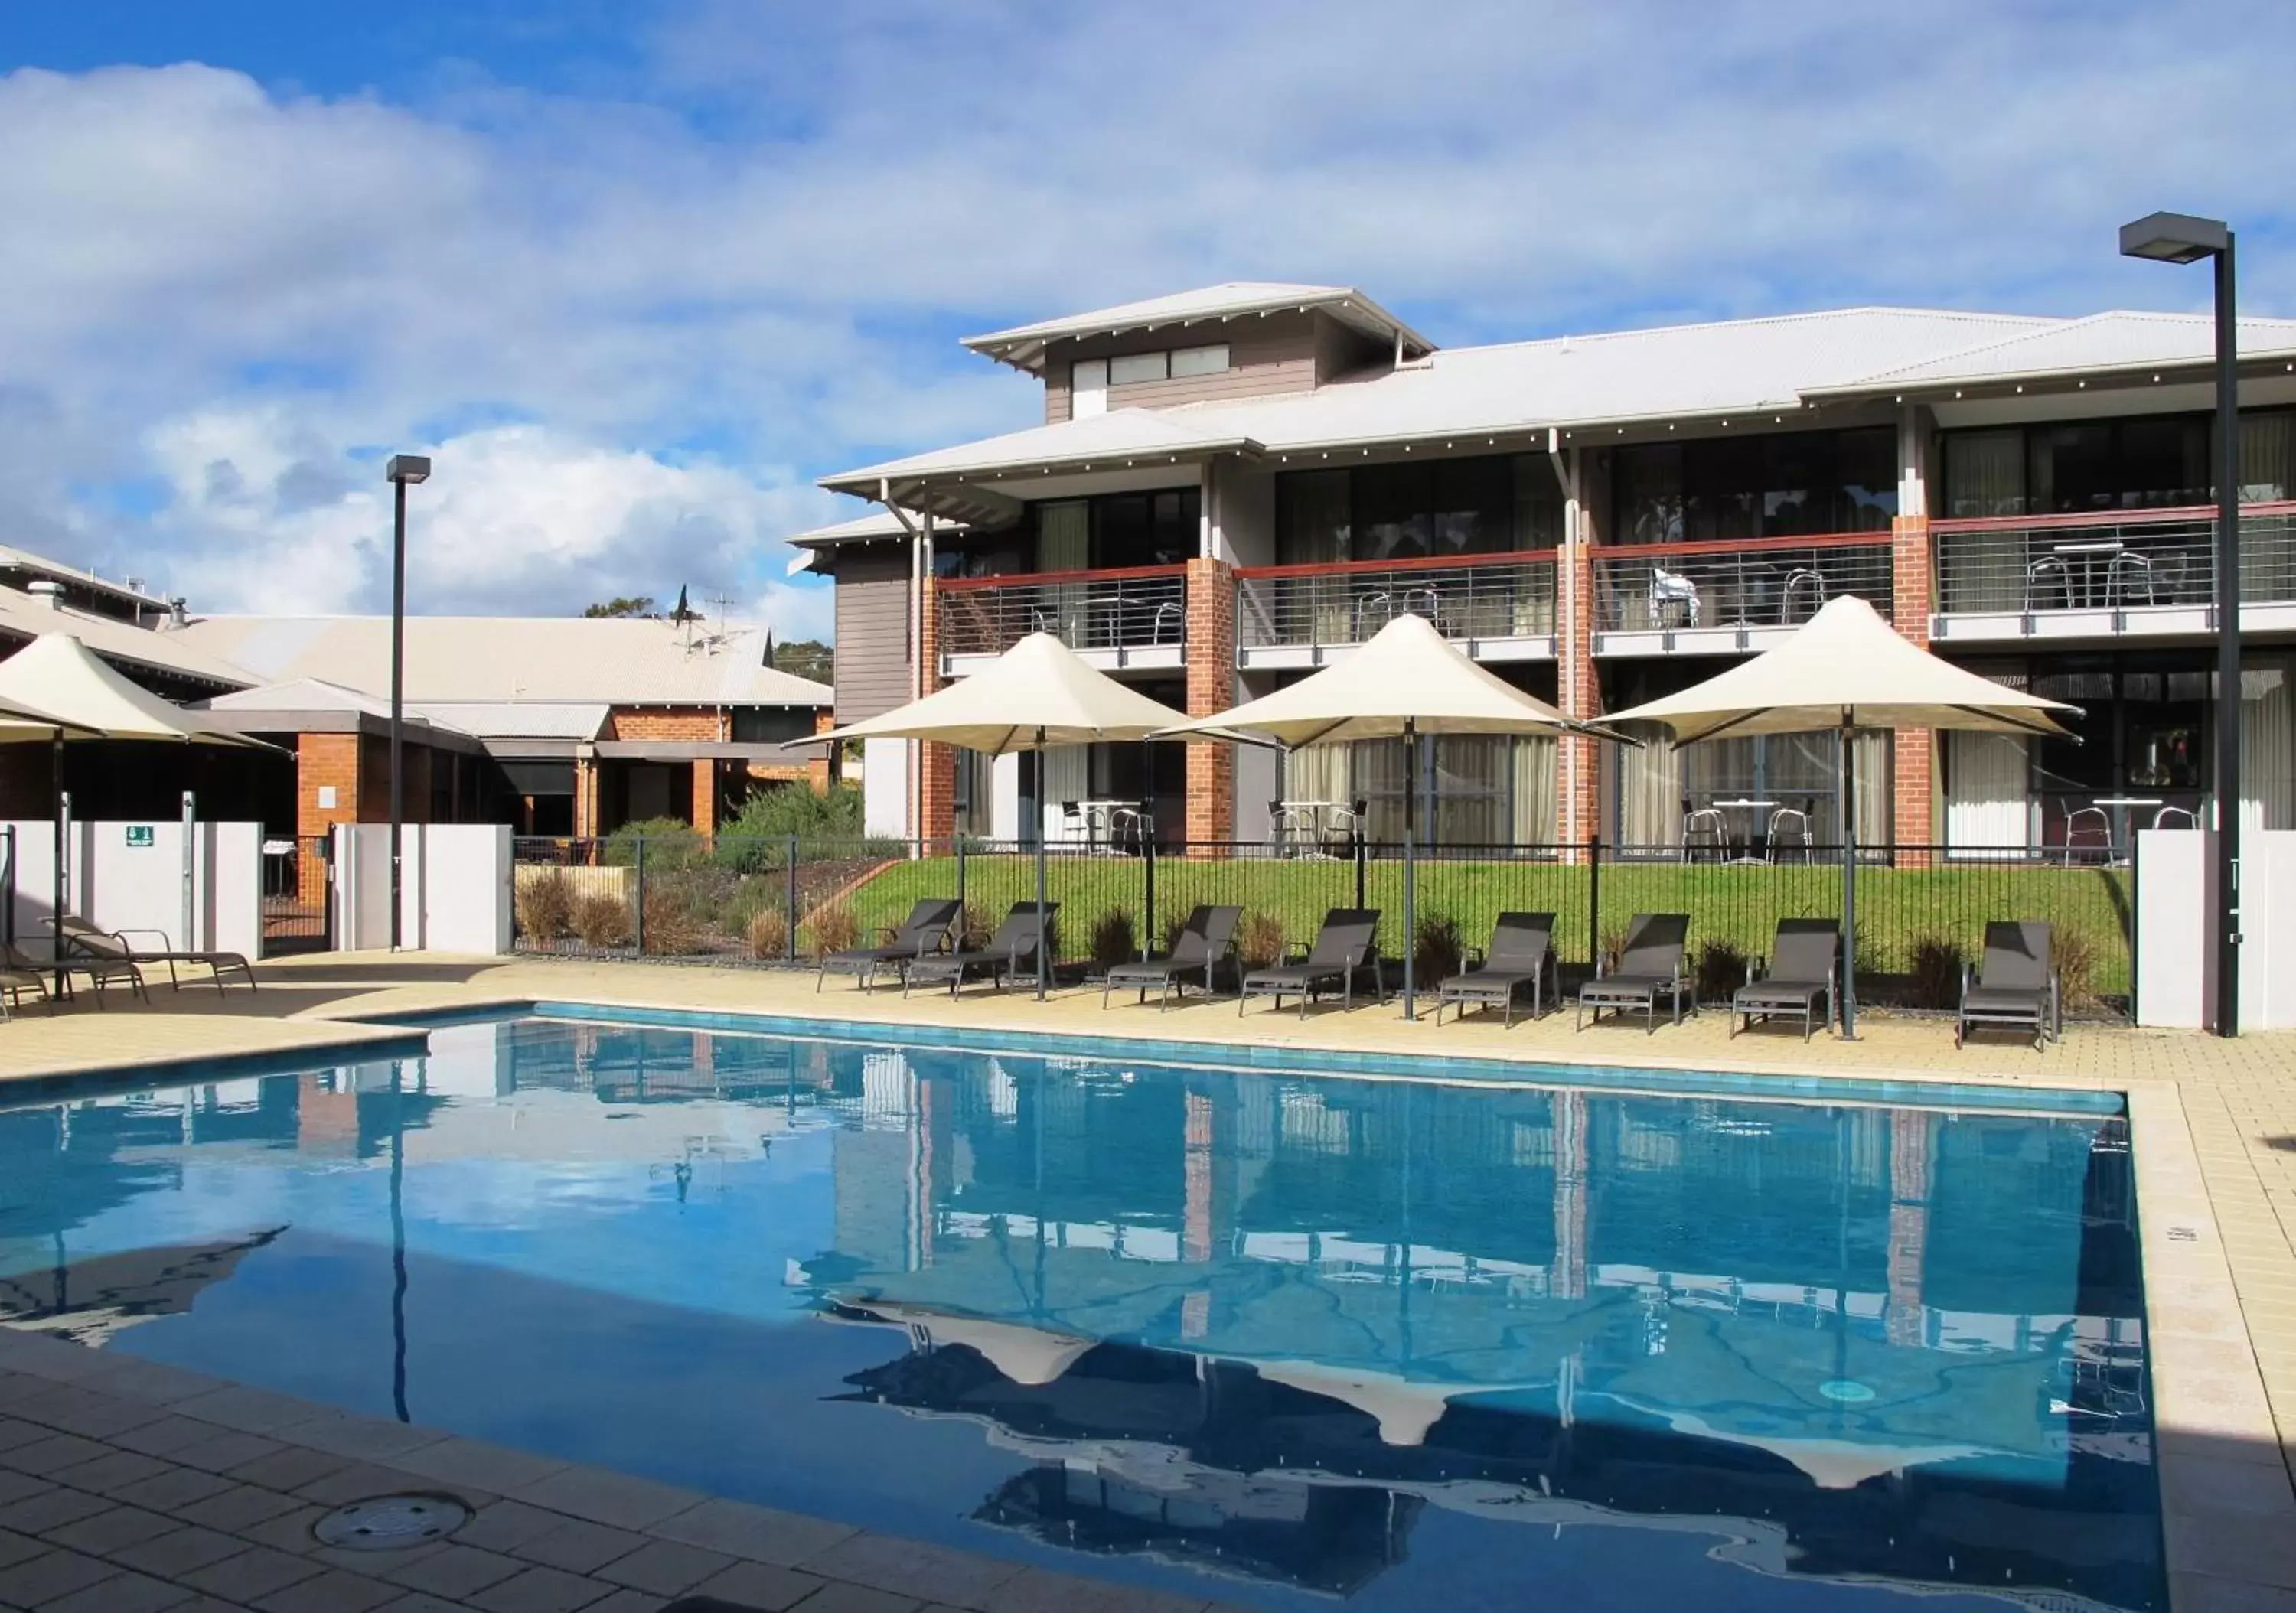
1024, 347
2071, 378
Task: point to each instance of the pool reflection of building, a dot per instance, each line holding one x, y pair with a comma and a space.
1854, 1342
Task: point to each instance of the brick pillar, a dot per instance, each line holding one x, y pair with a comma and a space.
705, 795
936, 785
1578, 690
1211, 688
1913, 595
818, 773
322, 761
586, 794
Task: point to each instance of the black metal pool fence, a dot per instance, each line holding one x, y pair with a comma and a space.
1921, 910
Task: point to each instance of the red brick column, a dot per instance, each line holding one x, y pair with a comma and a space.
818, 773
322, 760
705, 795
1211, 688
1579, 688
935, 784
586, 796
1912, 594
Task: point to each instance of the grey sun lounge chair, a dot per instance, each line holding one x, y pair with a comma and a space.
1649, 967
1344, 949
1521, 954
2016, 983
1804, 960
114, 947
1205, 945
98, 972
924, 931
1012, 949
18, 975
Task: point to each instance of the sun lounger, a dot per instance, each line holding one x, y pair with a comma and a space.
1649, 967
926, 929
1205, 944
1011, 949
1521, 954
2016, 983
1804, 960
1343, 950
17, 979
99, 973
114, 947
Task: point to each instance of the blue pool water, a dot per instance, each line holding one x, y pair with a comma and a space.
1266, 1337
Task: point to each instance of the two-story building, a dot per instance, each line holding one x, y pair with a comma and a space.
1232, 485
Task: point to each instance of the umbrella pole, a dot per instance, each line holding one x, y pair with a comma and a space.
1844, 769
56, 902
1410, 869
1044, 929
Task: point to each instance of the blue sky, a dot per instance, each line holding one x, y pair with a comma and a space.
635, 272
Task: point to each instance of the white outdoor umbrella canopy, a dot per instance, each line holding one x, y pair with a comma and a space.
1847, 670
1406, 678
1038, 694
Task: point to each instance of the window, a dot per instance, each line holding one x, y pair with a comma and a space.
1119, 530
1136, 367
1488, 504
2080, 467
771, 725
1790, 483
1087, 388
1200, 361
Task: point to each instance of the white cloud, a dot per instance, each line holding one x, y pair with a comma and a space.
635, 320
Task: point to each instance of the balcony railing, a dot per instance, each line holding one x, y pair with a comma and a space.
2116, 561
1499, 596
1140, 608
1764, 582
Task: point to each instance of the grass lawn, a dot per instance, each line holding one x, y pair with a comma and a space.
1740, 905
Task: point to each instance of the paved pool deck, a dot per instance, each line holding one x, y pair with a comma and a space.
2213, 1122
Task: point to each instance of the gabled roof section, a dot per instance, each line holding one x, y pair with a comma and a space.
1121, 437
24, 618
301, 694
22, 564
2100, 344
1023, 346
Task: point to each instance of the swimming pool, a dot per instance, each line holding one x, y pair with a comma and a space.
1264, 1336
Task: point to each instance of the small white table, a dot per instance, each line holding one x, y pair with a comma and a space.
1754, 824
2090, 555
1299, 825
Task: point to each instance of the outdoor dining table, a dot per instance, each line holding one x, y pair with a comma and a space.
1299, 826
1754, 824
2089, 554
2114, 807
1101, 819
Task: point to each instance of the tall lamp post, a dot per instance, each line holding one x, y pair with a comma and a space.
403, 470
2175, 238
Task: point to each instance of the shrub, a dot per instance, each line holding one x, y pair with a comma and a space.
1614, 942
1175, 923
602, 921
757, 836
2074, 954
672, 928
1935, 978
1259, 941
545, 906
670, 843
768, 932
1719, 970
830, 929
1113, 940
977, 926
1437, 950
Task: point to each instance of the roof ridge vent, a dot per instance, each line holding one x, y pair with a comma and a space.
47, 591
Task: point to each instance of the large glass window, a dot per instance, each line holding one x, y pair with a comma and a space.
1118, 530
2081, 467
1413, 509
1789, 484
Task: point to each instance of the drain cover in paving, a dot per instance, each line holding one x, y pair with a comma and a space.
387, 1523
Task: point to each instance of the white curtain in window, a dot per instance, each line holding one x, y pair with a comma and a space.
1986, 478
1316, 773
1649, 792
1066, 773
1063, 543
2267, 746
1535, 765
1870, 758
1987, 791
2267, 457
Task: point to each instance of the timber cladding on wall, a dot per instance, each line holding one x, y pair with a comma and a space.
872, 630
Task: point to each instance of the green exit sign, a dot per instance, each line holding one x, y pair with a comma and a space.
139, 834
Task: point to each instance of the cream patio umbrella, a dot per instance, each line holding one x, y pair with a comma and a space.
75, 696
1847, 670
1037, 694
1404, 681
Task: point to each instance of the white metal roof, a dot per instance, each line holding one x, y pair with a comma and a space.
520, 719
1023, 346
22, 616
466, 659
12, 559
1746, 366
301, 694
2101, 343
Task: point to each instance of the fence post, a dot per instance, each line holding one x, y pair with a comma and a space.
638, 909
1362, 858
1148, 898
1595, 903
2136, 935
789, 929
960, 888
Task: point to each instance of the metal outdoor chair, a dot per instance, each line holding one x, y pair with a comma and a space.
2040, 575
2105, 826
2129, 576
1705, 830
2161, 818
1805, 582
1789, 831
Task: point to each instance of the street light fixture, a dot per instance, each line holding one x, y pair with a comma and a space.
403, 470
2178, 238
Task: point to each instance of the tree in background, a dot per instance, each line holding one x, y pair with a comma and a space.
806, 657
637, 605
